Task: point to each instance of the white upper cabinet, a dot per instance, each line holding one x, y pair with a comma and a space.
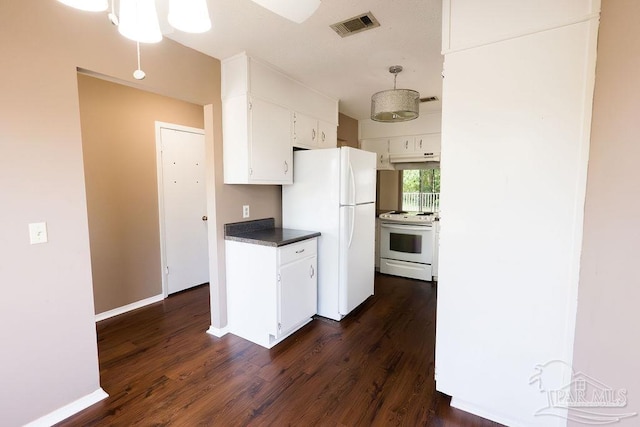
256, 142
380, 146
403, 148
305, 131
427, 143
271, 155
327, 135
311, 133
264, 114
401, 144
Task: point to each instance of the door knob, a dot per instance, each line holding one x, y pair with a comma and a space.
204, 217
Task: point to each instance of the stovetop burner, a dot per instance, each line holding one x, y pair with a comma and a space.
398, 212
424, 213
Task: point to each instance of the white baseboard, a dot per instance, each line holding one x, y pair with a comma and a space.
218, 332
128, 307
476, 410
69, 410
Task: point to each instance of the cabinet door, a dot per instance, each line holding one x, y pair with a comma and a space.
298, 293
381, 148
327, 135
401, 145
305, 131
428, 143
270, 148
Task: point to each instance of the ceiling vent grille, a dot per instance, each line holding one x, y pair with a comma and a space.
354, 25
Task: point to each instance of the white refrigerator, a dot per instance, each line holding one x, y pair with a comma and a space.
334, 192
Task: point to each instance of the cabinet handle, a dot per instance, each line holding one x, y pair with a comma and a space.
300, 251
406, 145
286, 167
204, 218
313, 134
421, 144
323, 136
312, 272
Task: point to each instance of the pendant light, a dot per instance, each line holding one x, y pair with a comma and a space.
396, 105
113, 18
297, 11
139, 21
88, 5
190, 16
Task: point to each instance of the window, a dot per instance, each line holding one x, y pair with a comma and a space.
421, 190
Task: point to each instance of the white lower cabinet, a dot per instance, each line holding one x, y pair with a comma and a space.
271, 291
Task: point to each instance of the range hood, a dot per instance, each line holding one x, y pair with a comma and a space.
414, 157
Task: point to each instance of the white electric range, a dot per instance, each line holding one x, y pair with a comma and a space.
407, 244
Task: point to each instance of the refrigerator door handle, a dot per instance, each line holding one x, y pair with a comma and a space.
353, 225
353, 184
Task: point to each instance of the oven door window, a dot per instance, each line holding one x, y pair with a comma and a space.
406, 243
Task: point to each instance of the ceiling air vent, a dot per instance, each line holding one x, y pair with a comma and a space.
355, 25
429, 99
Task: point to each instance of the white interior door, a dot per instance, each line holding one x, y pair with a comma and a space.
183, 208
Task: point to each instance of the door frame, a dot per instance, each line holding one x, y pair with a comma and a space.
161, 214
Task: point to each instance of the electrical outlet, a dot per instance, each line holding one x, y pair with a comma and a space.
38, 233
245, 211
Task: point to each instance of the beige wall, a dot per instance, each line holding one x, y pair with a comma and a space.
49, 356
606, 343
119, 151
347, 131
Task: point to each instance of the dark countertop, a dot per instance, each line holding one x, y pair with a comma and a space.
263, 232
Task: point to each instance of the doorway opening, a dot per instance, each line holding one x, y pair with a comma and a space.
118, 125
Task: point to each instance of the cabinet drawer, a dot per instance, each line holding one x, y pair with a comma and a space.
295, 251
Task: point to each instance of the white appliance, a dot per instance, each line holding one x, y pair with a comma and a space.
414, 157
407, 243
334, 192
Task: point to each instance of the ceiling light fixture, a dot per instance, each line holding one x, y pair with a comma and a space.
297, 11
189, 16
138, 19
88, 5
113, 17
396, 105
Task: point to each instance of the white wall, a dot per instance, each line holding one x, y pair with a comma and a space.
515, 134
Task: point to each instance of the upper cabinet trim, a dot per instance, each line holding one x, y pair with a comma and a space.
468, 35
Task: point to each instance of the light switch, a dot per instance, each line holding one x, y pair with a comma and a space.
245, 211
38, 232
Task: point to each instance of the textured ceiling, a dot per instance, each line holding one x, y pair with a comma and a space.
350, 69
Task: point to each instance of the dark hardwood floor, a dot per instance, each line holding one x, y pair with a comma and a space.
373, 368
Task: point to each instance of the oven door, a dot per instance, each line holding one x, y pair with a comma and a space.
404, 242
